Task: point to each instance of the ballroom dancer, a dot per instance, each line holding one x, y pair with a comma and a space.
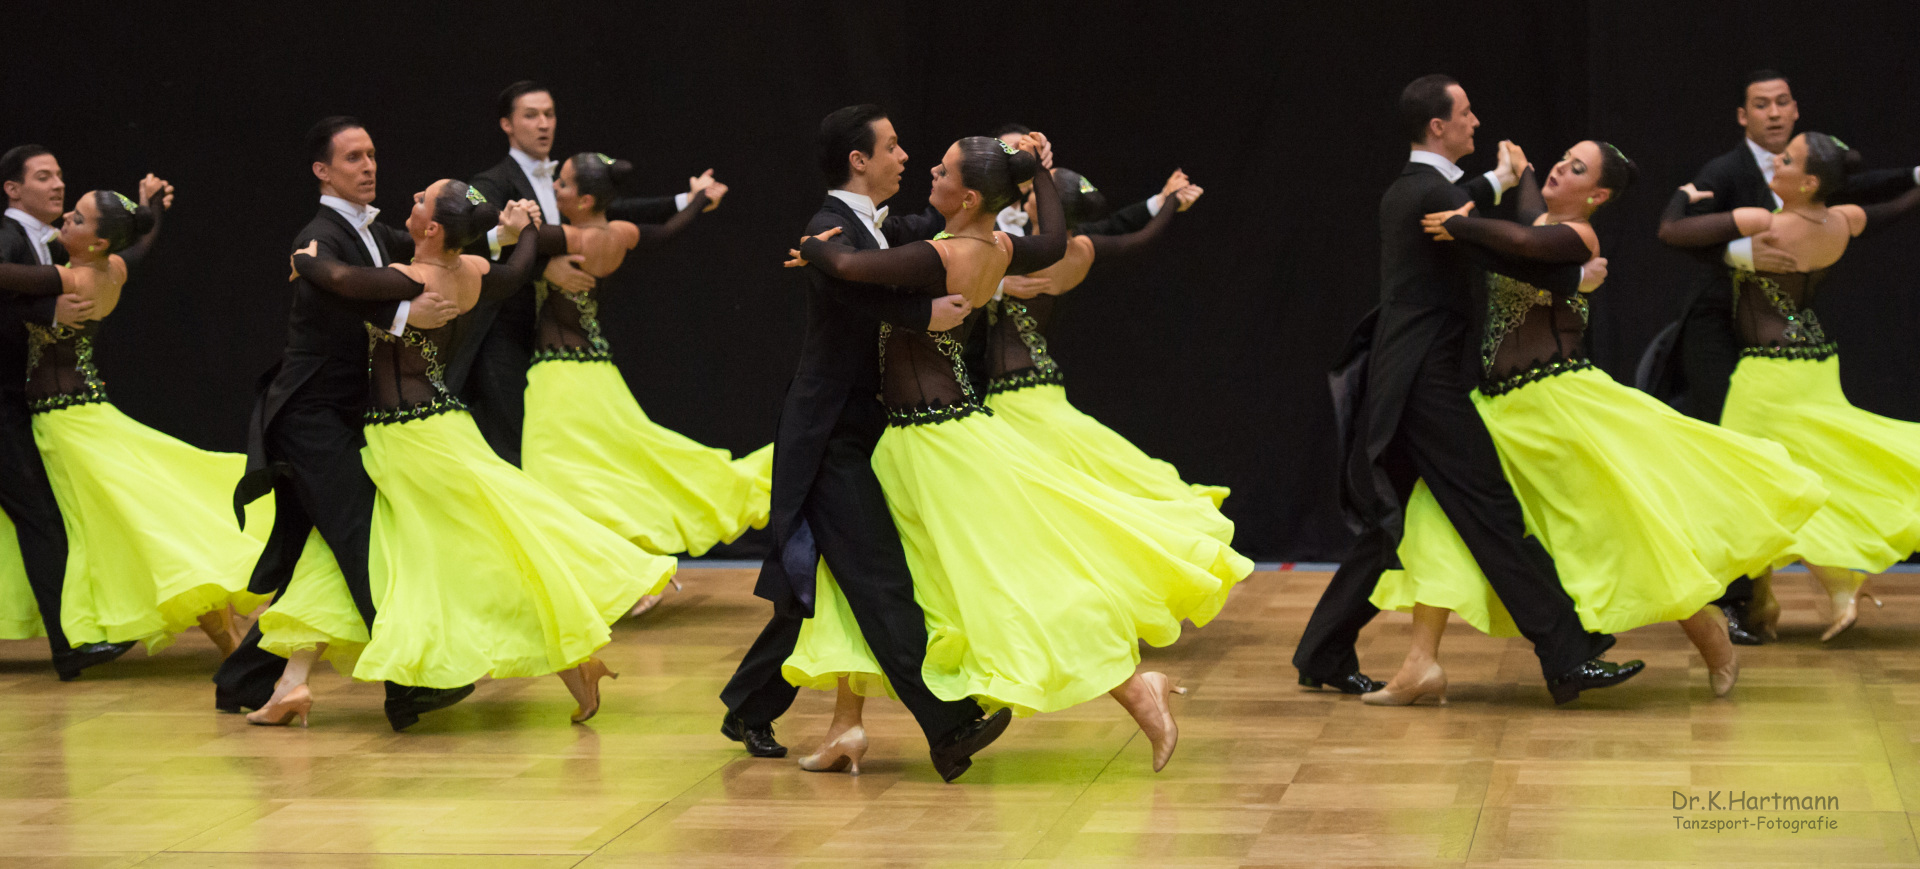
490, 374
36, 197
1415, 419
1024, 384
1708, 349
304, 436
1648, 513
140, 566
1014, 219
1786, 387
479, 570
827, 506
1051, 615
586, 437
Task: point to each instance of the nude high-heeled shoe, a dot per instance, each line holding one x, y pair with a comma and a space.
1145, 698
1708, 631
591, 673
1432, 683
1846, 609
843, 752
280, 711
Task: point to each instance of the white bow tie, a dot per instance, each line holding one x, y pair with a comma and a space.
879, 216
1012, 216
544, 168
367, 216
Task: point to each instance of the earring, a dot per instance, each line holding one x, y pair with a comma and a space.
1589, 200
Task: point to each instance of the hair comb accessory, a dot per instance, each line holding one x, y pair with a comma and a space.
125, 203
1616, 152
604, 158
1086, 186
475, 196
1006, 147
1836, 141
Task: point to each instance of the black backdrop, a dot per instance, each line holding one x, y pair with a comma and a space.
1209, 352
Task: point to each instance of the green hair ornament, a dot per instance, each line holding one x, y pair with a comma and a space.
604, 159
125, 203
1011, 150
475, 196
1086, 186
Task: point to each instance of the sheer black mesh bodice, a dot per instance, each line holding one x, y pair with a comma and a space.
1017, 354
1773, 313
1530, 335
406, 374
60, 369
568, 326
922, 379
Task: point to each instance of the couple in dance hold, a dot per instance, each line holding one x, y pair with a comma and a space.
924, 549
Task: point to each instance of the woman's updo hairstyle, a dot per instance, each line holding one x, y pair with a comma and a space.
987, 166
1617, 172
122, 221
1080, 201
599, 176
464, 214
1826, 161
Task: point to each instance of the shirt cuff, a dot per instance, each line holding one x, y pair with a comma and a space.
1153, 204
399, 326
1916, 174
493, 244
1493, 178
680, 201
1740, 253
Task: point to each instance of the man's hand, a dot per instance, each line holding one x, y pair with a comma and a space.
704, 181
312, 249
149, 186
71, 310
715, 192
430, 310
564, 272
795, 260
1593, 274
1767, 258
1695, 194
948, 312
1507, 172
1041, 148
1435, 224
1188, 194
1027, 286
514, 217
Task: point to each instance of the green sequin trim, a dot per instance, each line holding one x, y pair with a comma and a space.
92, 389
1803, 328
570, 354
392, 415
927, 414
1024, 378
1534, 375
598, 351
442, 401
1813, 352
1508, 302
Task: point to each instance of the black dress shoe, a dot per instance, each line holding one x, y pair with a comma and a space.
1739, 628
1352, 683
757, 738
405, 704
953, 754
1592, 674
223, 702
70, 662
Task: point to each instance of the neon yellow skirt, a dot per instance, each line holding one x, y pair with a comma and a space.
1042, 414
19, 612
587, 439
1038, 582
1648, 513
476, 569
1870, 463
151, 539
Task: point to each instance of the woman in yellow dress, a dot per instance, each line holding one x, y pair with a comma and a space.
1786, 387
1648, 514
1024, 382
1038, 581
585, 436
477, 568
152, 546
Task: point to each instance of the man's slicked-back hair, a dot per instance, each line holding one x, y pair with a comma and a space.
845, 130
13, 164
320, 138
1758, 76
1423, 100
517, 90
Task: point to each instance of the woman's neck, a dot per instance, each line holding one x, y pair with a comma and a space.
1553, 217
434, 255
586, 219
81, 259
972, 222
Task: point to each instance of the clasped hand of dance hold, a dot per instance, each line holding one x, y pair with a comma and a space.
447, 478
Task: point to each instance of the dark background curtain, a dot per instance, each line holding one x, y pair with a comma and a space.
1209, 352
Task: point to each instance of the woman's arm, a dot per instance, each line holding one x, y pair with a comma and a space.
912, 265
30, 280
1883, 214
1105, 246
1546, 244
507, 277
136, 253
653, 235
1032, 253
365, 283
1531, 204
1708, 230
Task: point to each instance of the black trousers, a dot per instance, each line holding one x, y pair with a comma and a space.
318, 435
1709, 351
1442, 439
28, 501
847, 513
495, 390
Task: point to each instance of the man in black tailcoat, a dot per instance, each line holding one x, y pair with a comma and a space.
827, 503
1414, 420
36, 196
1707, 351
305, 433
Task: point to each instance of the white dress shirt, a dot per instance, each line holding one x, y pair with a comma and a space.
1764, 157
870, 217
1452, 173
38, 233
360, 217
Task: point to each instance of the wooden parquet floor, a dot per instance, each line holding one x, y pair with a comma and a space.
131, 766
